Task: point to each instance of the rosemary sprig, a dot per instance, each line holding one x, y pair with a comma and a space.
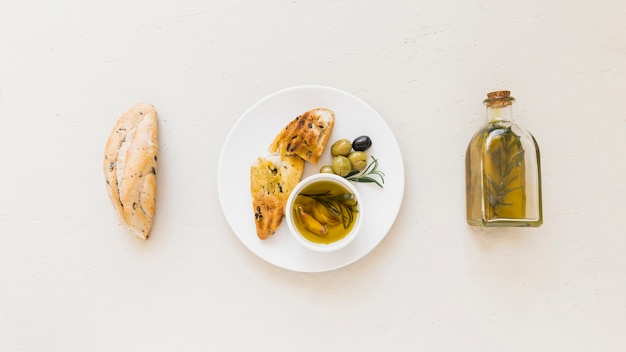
343, 205
506, 160
367, 175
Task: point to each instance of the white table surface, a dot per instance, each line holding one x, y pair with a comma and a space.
72, 279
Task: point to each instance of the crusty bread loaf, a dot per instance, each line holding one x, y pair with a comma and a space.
272, 178
130, 164
306, 135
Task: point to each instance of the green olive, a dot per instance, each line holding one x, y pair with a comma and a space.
327, 169
341, 165
358, 160
341, 147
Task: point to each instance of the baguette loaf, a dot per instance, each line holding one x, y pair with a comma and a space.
130, 164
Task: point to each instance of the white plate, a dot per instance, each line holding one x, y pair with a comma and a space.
252, 134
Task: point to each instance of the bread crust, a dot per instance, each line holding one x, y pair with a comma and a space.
130, 167
306, 135
272, 178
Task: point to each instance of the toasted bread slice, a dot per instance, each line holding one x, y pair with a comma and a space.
272, 178
306, 135
130, 161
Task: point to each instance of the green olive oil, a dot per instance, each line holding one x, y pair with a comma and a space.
503, 170
339, 200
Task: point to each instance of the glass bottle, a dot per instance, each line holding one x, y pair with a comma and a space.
502, 170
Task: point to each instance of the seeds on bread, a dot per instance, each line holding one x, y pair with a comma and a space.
271, 180
306, 135
273, 177
130, 164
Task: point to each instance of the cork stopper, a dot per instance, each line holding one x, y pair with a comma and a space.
499, 99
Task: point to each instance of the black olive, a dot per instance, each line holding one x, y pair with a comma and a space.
361, 143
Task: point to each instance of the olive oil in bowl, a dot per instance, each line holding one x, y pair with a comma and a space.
323, 212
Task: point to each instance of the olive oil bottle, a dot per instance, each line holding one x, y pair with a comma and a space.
502, 170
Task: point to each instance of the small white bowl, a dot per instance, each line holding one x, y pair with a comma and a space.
289, 213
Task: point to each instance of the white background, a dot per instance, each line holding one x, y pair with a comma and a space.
71, 278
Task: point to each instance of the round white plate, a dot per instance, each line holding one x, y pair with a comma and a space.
251, 136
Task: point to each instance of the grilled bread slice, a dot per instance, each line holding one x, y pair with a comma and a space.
306, 135
130, 163
272, 178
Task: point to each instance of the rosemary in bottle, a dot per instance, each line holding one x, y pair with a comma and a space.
502, 169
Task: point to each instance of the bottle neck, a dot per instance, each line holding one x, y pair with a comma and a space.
500, 113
